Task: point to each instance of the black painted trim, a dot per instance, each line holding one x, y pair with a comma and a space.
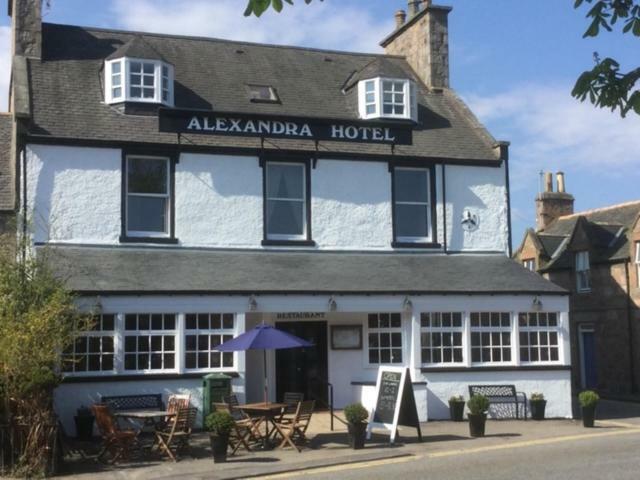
158, 240
522, 368
444, 208
373, 384
504, 154
432, 199
287, 157
139, 377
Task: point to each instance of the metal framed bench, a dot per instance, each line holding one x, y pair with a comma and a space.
147, 401
501, 394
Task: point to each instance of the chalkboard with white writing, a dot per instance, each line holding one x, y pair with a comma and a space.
387, 397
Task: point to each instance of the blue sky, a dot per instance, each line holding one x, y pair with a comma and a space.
513, 61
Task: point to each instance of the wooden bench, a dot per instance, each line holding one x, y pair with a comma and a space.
501, 394
147, 401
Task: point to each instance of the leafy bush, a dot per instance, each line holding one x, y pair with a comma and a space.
588, 398
356, 413
478, 404
456, 399
220, 423
536, 397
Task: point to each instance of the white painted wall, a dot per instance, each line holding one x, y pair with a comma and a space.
75, 195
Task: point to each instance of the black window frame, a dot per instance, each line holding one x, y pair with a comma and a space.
284, 157
432, 200
173, 158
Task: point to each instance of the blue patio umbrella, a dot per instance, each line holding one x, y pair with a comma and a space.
263, 337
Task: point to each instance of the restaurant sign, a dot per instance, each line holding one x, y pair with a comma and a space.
295, 128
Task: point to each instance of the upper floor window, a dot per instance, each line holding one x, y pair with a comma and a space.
583, 276
286, 201
138, 80
412, 205
387, 98
263, 94
148, 193
529, 264
638, 263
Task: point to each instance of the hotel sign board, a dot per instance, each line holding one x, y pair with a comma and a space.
293, 128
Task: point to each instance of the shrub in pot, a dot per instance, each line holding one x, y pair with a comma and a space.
478, 406
356, 416
589, 401
456, 408
84, 423
219, 426
538, 405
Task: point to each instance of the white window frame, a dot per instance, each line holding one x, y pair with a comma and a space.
389, 330
529, 264
222, 332
149, 333
166, 196
100, 333
537, 329
637, 260
305, 220
160, 82
410, 98
444, 331
429, 237
490, 330
583, 271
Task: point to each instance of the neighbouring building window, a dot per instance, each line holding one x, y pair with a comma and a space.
139, 80
529, 264
638, 263
412, 205
583, 274
538, 337
150, 341
148, 196
93, 351
204, 332
286, 201
441, 337
384, 338
490, 337
387, 98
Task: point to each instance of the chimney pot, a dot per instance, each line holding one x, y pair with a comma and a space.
413, 7
548, 182
560, 182
401, 17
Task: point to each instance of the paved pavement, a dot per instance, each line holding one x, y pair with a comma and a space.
511, 449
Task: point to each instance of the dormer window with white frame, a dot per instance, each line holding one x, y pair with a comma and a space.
138, 80
387, 98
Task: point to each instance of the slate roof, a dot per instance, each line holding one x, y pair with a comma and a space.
211, 74
6, 177
122, 270
137, 47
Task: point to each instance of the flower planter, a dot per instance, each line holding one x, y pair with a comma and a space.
588, 416
357, 435
456, 410
476, 424
219, 447
84, 427
537, 409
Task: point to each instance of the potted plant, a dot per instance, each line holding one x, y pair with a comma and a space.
84, 423
219, 426
538, 404
588, 400
456, 408
478, 407
356, 416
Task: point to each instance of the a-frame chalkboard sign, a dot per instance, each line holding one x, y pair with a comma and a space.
395, 402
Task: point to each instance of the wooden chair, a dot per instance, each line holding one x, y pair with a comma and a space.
174, 437
117, 441
292, 399
244, 429
175, 403
296, 429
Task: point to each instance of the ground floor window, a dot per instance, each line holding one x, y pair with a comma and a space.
384, 338
441, 337
94, 350
204, 332
538, 337
490, 337
150, 341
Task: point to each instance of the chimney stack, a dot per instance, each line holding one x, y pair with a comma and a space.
424, 40
549, 204
26, 16
401, 17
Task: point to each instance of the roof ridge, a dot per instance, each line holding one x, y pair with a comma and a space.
224, 40
600, 209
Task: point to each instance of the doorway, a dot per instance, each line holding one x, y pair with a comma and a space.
588, 372
304, 370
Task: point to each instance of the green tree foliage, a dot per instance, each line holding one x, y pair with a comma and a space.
605, 85
258, 7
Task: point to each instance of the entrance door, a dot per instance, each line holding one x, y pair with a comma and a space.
588, 357
304, 369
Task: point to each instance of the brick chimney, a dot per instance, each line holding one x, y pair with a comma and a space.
549, 204
26, 18
424, 40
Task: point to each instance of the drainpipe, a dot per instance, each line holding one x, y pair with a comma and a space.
630, 328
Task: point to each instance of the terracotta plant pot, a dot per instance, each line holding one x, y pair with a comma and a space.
588, 416
357, 435
537, 409
476, 424
219, 447
456, 410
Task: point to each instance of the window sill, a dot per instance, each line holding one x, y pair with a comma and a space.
135, 377
395, 244
288, 243
160, 240
506, 368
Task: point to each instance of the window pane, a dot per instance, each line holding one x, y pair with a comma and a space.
115, 67
371, 109
147, 175
285, 217
146, 214
412, 220
135, 92
285, 181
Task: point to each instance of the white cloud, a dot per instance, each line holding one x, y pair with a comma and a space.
5, 66
320, 24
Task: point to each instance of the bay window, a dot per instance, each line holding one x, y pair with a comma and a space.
139, 80
387, 98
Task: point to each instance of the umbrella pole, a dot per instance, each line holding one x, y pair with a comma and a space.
264, 366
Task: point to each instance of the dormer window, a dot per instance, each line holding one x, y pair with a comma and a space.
138, 80
387, 98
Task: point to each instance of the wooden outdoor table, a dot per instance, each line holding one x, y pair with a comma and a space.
148, 417
266, 412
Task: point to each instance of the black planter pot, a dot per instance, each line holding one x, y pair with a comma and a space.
84, 426
588, 416
219, 447
537, 409
476, 424
357, 435
456, 410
